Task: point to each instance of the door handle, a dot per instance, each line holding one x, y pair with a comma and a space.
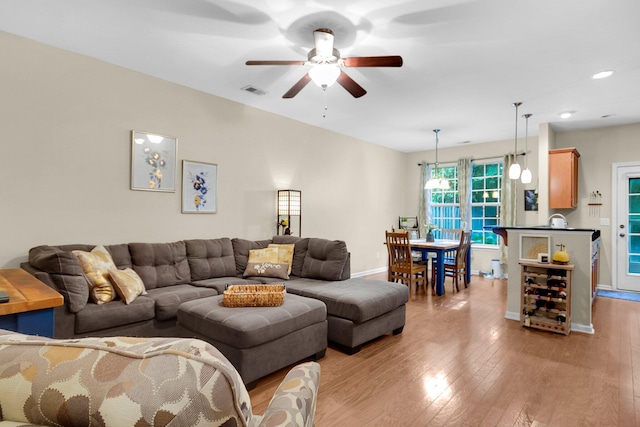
621, 234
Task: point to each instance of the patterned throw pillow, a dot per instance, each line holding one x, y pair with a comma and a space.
267, 269
264, 263
96, 266
285, 254
128, 284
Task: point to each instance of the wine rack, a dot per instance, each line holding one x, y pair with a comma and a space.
546, 296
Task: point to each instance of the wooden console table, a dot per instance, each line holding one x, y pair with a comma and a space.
31, 303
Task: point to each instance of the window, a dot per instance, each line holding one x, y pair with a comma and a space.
445, 209
486, 188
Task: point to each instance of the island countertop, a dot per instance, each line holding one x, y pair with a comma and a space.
502, 231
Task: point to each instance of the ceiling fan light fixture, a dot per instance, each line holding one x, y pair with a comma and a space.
323, 38
324, 75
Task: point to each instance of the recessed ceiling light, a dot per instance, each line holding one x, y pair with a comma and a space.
602, 74
566, 114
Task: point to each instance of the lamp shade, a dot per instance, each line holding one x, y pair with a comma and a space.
514, 171
526, 176
437, 184
324, 75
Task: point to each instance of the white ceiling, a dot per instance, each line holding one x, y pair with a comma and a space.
465, 62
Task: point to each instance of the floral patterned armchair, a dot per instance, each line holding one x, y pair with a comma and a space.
120, 381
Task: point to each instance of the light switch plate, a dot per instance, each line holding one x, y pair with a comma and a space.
605, 221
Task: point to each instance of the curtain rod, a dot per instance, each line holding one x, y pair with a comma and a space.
479, 158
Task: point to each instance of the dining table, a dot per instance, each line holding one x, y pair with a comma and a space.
439, 247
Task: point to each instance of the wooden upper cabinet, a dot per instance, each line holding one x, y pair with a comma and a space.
563, 178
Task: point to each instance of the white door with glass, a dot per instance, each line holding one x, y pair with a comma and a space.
627, 227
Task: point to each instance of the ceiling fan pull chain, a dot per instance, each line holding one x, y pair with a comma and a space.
324, 90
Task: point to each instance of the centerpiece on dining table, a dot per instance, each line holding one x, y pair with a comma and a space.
430, 227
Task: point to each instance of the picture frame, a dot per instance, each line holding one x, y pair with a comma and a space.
530, 200
153, 161
199, 187
532, 245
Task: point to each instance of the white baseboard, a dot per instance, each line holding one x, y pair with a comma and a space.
366, 273
512, 315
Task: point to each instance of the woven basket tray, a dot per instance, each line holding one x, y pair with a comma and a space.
253, 295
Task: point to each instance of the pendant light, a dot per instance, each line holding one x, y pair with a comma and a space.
526, 173
437, 182
514, 170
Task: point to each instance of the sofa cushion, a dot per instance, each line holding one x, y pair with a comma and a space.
355, 299
160, 264
168, 299
66, 274
96, 317
299, 251
120, 255
96, 266
210, 258
221, 283
325, 259
241, 248
127, 283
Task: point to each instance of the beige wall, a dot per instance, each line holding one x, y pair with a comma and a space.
599, 149
65, 162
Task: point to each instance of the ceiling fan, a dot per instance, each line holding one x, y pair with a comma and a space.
325, 64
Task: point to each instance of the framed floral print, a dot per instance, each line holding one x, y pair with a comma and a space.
199, 187
153, 161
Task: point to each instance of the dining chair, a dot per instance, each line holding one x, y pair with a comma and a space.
450, 234
455, 266
402, 268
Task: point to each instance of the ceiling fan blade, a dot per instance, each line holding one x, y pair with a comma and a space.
373, 61
275, 63
350, 85
297, 87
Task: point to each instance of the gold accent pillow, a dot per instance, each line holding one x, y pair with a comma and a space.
262, 255
285, 253
96, 266
128, 284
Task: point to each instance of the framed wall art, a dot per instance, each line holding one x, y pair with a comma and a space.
530, 200
199, 187
153, 161
532, 245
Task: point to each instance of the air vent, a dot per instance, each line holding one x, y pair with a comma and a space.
254, 90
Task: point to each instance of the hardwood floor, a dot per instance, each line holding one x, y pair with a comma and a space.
460, 362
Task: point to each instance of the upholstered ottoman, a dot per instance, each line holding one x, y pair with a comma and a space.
258, 340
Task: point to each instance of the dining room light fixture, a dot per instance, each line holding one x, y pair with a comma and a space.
514, 169
436, 182
525, 177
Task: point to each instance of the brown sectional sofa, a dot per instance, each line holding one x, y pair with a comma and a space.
358, 310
